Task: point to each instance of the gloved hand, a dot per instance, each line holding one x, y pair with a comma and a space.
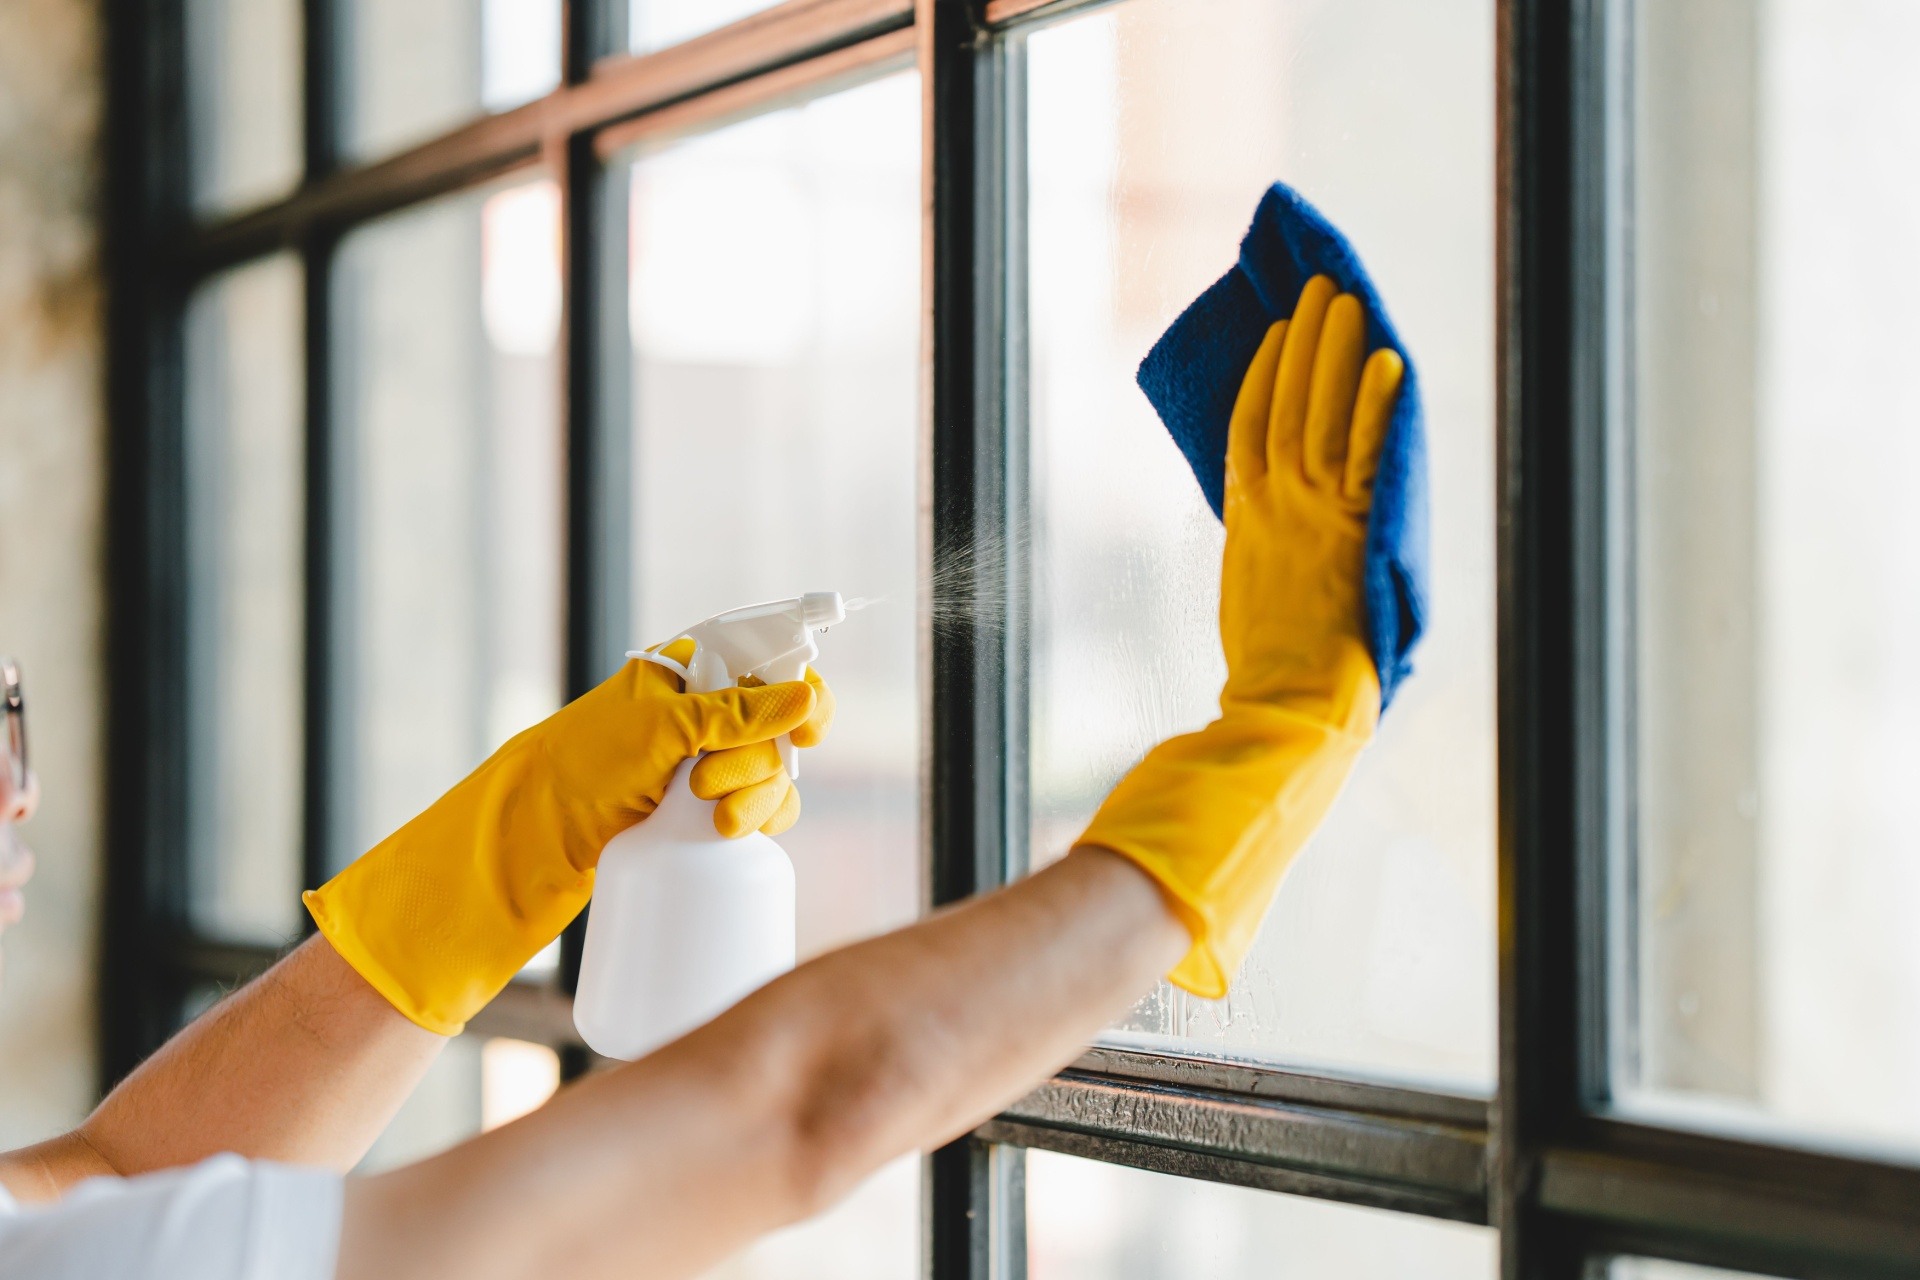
749, 784
440, 915
1216, 816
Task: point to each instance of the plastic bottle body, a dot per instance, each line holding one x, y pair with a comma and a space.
684, 923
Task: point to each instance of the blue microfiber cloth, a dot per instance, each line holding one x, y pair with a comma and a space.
1194, 371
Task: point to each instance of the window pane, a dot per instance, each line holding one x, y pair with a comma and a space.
246, 573
448, 461
774, 322
243, 101
1092, 1221
1379, 952
1656, 1269
655, 24
420, 67
1776, 588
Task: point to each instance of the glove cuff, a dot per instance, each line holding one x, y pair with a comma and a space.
1217, 816
440, 915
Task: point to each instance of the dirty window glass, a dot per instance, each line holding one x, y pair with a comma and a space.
1379, 952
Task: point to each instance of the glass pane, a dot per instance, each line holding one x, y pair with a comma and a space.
246, 574
1379, 951
448, 460
655, 24
774, 320
420, 67
1775, 591
243, 101
1656, 1269
444, 1109
1093, 1221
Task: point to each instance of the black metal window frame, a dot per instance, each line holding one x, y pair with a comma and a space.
1566, 1183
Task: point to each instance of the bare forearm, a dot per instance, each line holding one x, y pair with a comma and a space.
306, 1065
778, 1107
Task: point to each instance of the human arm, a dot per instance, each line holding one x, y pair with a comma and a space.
309, 1062
304, 1065
778, 1107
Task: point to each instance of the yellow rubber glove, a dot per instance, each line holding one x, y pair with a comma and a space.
1216, 816
440, 915
750, 785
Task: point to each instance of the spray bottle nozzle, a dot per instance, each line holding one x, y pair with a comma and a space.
820, 609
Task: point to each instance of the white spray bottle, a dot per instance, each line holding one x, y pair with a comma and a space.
685, 921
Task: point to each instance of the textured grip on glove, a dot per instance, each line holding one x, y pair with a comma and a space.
440, 915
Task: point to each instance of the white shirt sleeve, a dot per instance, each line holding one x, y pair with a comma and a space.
223, 1219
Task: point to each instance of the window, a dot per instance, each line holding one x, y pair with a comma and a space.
1378, 954
433, 318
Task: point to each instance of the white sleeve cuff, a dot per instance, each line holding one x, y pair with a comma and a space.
223, 1219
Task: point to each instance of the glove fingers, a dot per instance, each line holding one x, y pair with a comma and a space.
786, 815
1336, 381
814, 730
1372, 413
736, 717
719, 772
1288, 422
738, 812
1247, 429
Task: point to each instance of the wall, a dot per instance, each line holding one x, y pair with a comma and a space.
52, 465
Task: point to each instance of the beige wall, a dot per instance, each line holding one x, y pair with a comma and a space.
52, 444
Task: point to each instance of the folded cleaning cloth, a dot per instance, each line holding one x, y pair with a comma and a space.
1194, 371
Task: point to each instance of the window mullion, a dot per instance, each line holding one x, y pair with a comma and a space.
974, 1220
1543, 50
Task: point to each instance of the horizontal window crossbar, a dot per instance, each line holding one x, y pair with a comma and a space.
1261, 1133
619, 90
1737, 1203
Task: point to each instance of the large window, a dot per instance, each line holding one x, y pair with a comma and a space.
460, 345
